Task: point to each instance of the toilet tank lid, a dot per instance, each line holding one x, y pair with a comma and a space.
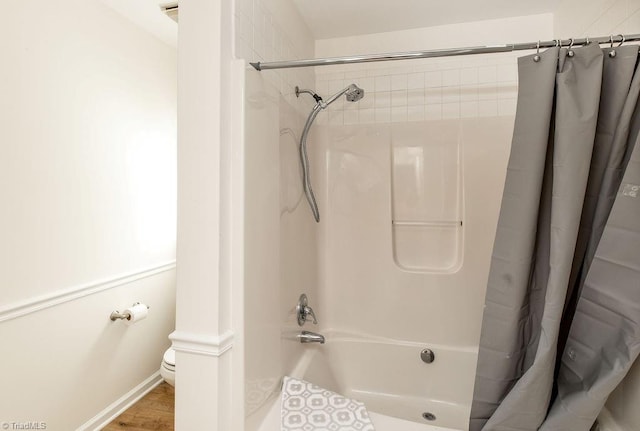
169, 357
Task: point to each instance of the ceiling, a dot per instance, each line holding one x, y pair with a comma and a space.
148, 15
338, 18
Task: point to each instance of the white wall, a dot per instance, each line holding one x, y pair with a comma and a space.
576, 18
88, 126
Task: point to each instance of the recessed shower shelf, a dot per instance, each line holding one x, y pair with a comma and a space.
427, 246
438, 223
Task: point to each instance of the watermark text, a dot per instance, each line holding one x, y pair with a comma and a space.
23, 425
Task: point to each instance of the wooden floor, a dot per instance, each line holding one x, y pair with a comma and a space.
155, 411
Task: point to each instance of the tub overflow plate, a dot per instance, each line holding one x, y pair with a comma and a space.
427, 356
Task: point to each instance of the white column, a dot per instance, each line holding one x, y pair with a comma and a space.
205, 372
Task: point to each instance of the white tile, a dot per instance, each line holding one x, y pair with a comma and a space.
433, 79
278, 45
367, 116
399, 98
350, 106
243, 50
487, 92
450, 77
506, 90
433, 96
398, 82
507, 72
415, 97
383, 115
468, 109
368, 101
469, 93
415, 113
322, 88
354, 75
487, 108
415, 81
382, 83
267, 36
468, 76
335, 76
487, 74
367, 84
383, 100
451, 110
399, 114
336, 118
322, 118
433, 112
337, 105
335, 85
244, 29
351, 117
450, 94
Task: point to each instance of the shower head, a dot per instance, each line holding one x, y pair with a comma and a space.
353, 93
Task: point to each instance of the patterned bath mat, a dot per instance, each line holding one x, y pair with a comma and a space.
308, 407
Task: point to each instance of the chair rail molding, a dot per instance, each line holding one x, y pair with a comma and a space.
22, 308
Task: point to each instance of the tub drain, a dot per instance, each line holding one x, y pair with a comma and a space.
429, 416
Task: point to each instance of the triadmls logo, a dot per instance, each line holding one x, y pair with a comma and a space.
31, 425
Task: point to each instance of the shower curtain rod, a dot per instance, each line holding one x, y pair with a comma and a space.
450, 52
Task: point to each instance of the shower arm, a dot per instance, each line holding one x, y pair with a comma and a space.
334, 97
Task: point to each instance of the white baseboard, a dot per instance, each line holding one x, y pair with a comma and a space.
607, 422
105, 417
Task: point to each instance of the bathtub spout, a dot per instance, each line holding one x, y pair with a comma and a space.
311, 337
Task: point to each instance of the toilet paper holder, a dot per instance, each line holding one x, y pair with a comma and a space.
115, 315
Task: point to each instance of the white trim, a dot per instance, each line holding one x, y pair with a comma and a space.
107, 415
199, 344
607, 422
23, 308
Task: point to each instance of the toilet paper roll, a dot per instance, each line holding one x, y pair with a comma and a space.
136, 313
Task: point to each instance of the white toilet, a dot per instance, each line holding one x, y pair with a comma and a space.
168, 366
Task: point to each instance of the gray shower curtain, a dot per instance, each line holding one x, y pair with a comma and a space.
561, 325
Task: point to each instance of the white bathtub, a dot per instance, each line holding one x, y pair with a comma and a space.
392, 381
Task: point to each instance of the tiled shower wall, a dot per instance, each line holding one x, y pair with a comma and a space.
425, 90
269, 30
429, 89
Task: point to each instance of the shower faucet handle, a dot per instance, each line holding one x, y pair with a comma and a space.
308, 311
303, 311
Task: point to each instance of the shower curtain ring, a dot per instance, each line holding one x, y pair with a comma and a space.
571, 53
623, 39
536, 57
612, 53
587, 41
